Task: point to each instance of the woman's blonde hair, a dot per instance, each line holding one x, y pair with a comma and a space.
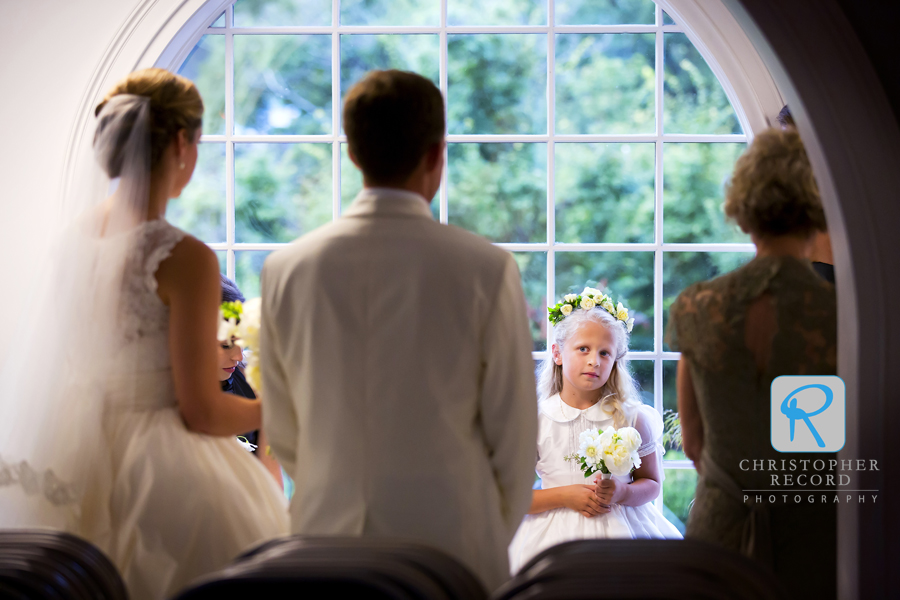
175, 104
619, 394
772, 191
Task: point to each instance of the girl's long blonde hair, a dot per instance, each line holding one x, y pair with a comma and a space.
619, 394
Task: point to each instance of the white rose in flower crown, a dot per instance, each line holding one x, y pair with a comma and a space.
630, 438
566, 309
587, 303
621, 312
629, 324
608, 305
570, 297
589, 291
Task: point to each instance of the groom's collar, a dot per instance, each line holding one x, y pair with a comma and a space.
389, 201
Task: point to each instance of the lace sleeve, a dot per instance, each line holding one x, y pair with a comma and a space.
700, 323
160, 241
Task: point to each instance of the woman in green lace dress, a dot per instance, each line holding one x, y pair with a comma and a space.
736, 334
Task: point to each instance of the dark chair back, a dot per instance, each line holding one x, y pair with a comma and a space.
337, 567
43, 564
641, 569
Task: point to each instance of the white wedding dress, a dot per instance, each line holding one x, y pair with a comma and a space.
559, 426
166, 504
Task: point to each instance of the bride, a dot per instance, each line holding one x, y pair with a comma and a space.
114, 426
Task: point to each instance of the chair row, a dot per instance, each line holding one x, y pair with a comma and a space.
37, 564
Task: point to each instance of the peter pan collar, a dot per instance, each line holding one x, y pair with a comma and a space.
557, 410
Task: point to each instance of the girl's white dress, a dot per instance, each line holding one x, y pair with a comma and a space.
559, 426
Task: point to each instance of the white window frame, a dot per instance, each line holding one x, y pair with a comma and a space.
162, 33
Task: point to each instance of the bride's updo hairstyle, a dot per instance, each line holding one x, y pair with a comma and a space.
619, 395
174, 104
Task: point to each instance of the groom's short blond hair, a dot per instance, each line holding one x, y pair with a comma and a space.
391, 119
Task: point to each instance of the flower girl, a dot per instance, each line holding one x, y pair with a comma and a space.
585, 387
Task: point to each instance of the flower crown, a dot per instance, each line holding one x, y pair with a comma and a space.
588, 299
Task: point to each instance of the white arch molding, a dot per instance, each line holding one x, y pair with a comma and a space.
855, 161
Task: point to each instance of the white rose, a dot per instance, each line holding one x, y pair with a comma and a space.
570, 297
566, 309
618, 460
606, 438
629, 324
248, 328
630, 439
587, 303
608, 305
621, 312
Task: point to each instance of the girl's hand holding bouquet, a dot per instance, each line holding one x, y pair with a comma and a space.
610, 452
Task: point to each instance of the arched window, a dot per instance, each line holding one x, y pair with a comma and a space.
587, 137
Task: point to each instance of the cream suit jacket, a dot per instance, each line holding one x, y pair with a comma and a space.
398, 384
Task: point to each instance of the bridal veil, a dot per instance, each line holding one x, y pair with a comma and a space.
66, 360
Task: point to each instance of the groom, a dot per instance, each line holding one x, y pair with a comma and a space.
398, 384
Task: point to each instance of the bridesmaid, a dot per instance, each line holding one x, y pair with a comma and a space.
231, 377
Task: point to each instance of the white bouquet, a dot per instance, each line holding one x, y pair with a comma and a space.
610, 452
241, 321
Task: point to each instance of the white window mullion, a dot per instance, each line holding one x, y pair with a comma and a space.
443, 213
335, 110
551, 166
658, 231
229, 144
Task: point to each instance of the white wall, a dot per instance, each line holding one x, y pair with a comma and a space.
48, 52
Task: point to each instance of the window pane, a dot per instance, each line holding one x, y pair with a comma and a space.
282, 84
679, 488
496, 12
248, 265
281, 190
694, 193
497, 83
391, 12
362, 53
205, 66
222, 256
626, 276
670, 394
499, 190
642, 370
667, 20
605, 83
201, 208
604, 192
694, 100
275, 13
671, 424
220, 22
681, 269
605, 12
533, 267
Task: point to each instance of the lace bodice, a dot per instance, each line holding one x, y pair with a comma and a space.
142, 356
